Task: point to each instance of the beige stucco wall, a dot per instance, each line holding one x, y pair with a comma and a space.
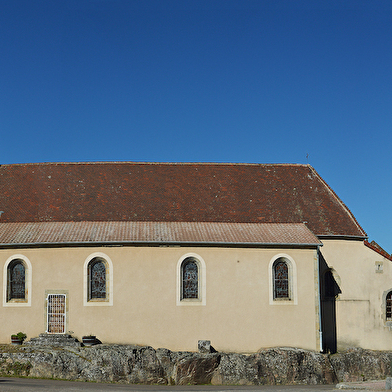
237, 315
360, 308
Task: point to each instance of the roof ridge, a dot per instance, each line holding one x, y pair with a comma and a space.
153, 163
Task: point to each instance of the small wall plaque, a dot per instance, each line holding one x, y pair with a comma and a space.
379, 267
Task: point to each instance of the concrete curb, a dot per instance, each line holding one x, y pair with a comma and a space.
374, 385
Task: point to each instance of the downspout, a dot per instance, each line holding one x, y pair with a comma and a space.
319, 300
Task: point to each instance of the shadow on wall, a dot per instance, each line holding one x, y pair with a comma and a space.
329, 290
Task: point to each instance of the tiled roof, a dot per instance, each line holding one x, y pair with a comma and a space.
51, 233
377, 248
169, 192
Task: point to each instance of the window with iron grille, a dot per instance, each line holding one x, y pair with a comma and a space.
16, 281
388, 304
56, 313
97, 279
281, 280
190, 279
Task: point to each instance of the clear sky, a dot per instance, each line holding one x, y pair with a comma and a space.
206, 81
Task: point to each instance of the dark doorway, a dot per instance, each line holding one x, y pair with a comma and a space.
329, 290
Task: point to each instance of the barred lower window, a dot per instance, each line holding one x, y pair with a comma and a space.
97, 279
281, 280
388, 304
56, 313
16, 281
190, 279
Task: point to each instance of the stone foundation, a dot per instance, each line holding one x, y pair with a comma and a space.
145, 365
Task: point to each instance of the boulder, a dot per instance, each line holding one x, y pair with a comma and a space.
357, 364
236, 369
195, 369
273, 367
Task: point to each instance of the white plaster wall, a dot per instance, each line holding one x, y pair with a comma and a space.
360, 310
236, 316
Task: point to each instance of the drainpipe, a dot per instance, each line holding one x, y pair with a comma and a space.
319, 299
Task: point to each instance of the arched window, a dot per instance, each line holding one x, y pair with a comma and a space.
281, 279
388, 306
97, 279
190, 279
16, 280
282, 273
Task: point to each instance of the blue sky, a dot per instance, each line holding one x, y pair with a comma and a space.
205, 81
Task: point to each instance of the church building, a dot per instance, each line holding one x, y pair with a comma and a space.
247, 256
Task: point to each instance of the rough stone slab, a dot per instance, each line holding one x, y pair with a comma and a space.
204, 346
358, 365
54, 340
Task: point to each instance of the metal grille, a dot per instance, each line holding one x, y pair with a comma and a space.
16, 281
56, 313
190, 280
281, 280
97, 279
389, 306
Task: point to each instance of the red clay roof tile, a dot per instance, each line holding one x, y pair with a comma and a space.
41, 233
377, 248
173, 192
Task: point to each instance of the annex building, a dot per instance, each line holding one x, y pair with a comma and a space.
247, 256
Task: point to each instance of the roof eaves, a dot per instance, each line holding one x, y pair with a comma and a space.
162, 243
379, 251
341, 237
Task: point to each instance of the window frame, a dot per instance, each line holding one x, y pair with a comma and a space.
201, 272
61, 315
108, 300
292, 298
384, 304
388, 303
93, 262
286, 295
17, 302
184, 264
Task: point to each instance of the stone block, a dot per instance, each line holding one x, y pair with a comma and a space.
204, 346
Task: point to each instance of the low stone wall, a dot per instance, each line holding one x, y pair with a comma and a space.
145, 365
